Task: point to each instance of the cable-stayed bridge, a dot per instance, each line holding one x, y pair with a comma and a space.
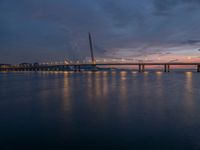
92, 65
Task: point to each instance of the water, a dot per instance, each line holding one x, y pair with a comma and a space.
102, 110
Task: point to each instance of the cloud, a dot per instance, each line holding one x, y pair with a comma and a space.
38, 30
191, 42
169, 7
174, 60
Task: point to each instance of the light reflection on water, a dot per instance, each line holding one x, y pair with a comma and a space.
124, 107
189, 99
66, 93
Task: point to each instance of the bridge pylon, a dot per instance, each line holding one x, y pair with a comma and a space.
91, 49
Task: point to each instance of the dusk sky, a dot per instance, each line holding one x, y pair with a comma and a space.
51, 30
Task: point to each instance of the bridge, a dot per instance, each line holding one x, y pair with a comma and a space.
93, 65
80, 66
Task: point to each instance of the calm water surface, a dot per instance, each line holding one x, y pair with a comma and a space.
102, 110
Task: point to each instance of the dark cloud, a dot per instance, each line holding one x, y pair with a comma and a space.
163, 7
191, 42
169, 7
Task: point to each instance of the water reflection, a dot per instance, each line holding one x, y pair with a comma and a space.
66, 93
105, 84
189, 100
113, 81
123, 75
146, 84
76, 107
123, 95
98, 85
189, 82
134, 72
159, 73
159, 84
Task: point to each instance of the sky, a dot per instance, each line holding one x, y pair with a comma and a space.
54, 30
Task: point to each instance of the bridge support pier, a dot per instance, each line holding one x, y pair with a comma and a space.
166, 68
143, 68
198, 68
94, 68
140, 68
77, 68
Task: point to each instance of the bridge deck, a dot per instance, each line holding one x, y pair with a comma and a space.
150, 64
77, 66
